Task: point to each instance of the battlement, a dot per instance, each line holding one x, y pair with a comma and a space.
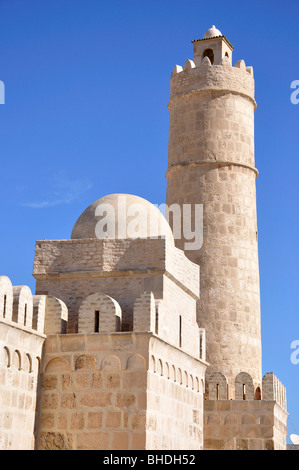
271, 389
205, 62
244, 416
25, 322
123, 269
225, 62
203, 76
37, 314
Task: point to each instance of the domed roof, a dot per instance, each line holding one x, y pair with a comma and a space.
212, 32
119, 216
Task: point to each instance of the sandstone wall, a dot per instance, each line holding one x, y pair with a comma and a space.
255, 420
174, 399
244, 425
25, 320
20, 359
101, 392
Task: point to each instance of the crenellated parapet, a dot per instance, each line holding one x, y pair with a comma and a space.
207, 77
212, 104
99, 313
118, 391
244, 416
271, 389
36, 314
25, 321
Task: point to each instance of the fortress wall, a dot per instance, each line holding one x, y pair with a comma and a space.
94, 391
273, 389
20, 356
174, 399
177, 318
244, 425
25, 319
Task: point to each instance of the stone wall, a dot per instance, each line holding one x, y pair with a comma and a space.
102, 391
206, 77
20, 359
25, 320
255, 420
174, 399
244, 425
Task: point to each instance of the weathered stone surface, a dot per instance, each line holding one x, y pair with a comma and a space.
55, 441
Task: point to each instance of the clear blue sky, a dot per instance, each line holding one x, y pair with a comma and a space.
85, 115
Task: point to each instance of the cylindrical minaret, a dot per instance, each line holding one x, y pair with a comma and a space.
211, 162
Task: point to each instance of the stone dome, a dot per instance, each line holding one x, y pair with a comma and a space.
120, 216
212, 32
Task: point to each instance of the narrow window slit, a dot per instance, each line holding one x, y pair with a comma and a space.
4, 306
25, 314
180, 331
97, 321
157, 322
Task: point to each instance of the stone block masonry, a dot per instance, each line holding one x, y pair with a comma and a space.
244, 425
120, 391
25, 319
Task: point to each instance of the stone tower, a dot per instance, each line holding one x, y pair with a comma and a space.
211, 162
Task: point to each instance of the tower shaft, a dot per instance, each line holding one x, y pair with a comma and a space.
211, 162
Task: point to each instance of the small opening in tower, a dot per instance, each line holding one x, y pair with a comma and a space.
210, 54
117, 323
258, 394
157, 322
244, 391
200, 347
217, 392
180, 331
63, 326
226, 54
4, 306
96, 321
25, 314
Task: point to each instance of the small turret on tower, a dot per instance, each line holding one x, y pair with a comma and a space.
213, 45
